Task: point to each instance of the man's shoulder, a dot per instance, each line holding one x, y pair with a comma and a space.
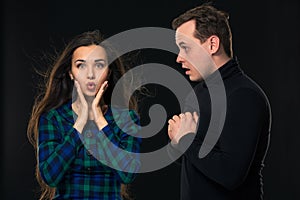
243, 82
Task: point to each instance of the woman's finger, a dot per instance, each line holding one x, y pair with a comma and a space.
100, 92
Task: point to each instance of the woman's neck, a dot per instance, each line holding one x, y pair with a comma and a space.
89, 100
77, 104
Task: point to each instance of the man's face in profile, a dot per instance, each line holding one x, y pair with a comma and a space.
193, 55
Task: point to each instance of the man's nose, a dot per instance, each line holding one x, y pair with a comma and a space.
179, 59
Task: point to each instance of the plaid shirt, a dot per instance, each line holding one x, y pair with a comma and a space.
78, 164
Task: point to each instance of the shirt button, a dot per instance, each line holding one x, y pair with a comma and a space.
89, 152
89, 169
89, 134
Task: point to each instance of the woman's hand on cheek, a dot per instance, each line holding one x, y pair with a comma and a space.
82, 109
97, 111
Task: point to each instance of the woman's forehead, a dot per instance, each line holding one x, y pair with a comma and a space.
90, 52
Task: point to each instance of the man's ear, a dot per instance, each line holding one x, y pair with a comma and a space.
214, 44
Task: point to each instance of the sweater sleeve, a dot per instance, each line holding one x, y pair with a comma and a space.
56, 149
229, 161
119, 148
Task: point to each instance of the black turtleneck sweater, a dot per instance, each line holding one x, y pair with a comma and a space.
232, 169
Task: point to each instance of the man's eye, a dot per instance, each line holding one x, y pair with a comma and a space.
185, 48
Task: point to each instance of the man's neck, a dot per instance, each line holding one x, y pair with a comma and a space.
221, 60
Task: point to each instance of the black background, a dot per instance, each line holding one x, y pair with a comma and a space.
266, 42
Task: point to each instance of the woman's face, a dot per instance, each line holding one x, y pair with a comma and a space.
89, 68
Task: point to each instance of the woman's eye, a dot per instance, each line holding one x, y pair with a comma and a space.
99, 65
80, 65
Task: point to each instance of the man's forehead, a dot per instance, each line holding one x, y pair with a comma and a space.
182, 38
185, 31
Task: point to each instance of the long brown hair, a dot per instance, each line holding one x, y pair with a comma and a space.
58, 88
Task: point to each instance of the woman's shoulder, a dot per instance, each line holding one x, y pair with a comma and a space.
63, 110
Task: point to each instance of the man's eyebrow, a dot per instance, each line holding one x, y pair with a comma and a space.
181, 43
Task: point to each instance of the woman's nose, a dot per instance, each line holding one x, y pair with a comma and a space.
90, 74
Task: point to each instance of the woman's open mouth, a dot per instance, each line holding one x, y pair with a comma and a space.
91, 86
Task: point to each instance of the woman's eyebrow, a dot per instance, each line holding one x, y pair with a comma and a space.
79, 60
98, 60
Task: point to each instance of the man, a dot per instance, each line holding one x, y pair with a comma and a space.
232, 168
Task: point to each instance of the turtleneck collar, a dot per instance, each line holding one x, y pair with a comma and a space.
229, 69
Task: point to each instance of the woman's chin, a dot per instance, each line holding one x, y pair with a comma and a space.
90, 94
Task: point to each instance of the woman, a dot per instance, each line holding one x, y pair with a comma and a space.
77, 140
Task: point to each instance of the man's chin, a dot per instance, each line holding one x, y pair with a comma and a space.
194, 79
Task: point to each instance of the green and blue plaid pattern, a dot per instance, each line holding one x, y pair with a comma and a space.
88, 165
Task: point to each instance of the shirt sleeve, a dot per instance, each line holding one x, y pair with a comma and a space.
119, 148
229, 161
56, 149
